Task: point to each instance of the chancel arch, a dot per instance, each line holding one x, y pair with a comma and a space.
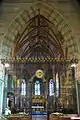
24, 23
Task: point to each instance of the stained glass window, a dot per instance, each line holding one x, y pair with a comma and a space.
23, 87
57, 85
37, 88
51, 87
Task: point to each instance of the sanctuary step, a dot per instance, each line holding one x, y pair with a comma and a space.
64, 117
19, 117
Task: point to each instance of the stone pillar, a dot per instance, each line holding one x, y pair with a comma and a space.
1, 82
5, 91
54, 79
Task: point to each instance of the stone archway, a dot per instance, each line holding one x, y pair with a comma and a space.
19, 24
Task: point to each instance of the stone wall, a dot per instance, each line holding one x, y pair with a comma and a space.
70, 10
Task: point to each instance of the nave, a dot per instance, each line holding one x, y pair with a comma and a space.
39, 59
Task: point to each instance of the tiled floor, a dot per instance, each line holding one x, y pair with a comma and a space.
39, 117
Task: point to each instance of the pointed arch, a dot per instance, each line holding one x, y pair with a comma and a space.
25, 18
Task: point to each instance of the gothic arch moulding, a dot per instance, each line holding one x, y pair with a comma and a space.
21, 22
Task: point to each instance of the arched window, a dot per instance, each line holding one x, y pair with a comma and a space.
51, 87
23, 87
57, 85
37, 88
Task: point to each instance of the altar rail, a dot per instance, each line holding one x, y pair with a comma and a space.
19, 117
65, 117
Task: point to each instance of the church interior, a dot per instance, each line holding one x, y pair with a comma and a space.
39, 59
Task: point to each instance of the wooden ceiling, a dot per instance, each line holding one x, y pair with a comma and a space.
26, 32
